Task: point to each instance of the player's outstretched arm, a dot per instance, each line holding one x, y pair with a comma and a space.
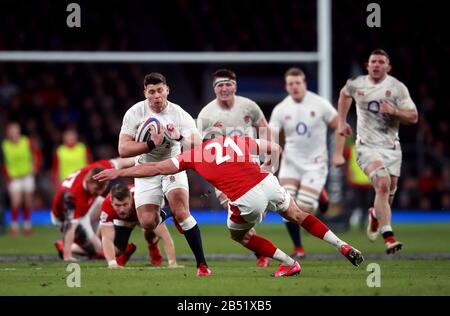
121, 163
108, 234
69, 238
148, 169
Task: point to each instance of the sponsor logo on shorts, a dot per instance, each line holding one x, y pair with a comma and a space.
172, 178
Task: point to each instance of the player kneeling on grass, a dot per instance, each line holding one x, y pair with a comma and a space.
227, 164
117, 220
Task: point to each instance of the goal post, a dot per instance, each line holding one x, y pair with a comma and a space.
322, 56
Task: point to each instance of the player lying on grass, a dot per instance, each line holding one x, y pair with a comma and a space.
118, 218
227, 164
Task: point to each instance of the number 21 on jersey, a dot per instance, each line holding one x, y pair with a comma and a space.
220, 158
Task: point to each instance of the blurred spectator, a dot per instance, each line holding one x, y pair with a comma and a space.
71, 155
427, 180
21, 161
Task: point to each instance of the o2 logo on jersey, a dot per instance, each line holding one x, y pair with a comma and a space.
373, 106
302, 129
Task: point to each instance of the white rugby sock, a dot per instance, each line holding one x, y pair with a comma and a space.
283, 258
188, 223
331, 238
385, 228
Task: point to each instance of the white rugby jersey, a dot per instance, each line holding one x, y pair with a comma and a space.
237, 121
372, 127
172, 114
305, 126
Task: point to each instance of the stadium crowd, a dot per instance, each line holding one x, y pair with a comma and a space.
47, 98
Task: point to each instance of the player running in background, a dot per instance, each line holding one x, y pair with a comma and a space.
303, 118
118, 218
382, 103
227, 164
150, 191
232, 115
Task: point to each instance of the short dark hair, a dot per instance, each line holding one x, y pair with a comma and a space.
380, 51
120, 192
154, 78
225, 73
294, 71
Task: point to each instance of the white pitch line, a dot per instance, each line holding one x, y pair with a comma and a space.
139, 268
14, 269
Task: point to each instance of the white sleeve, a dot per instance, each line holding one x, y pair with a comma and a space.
187, 125
256, 112
404, 101
275, 118
130, 123
329, 112
202, 120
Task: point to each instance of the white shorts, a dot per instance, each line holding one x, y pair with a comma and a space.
392, 158
250, 208
24, 184
151, 190
312, 175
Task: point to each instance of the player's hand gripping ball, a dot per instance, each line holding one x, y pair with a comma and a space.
144, 130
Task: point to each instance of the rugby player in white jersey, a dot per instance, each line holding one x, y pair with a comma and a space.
382, 103
303, 117
232, 115
150, 191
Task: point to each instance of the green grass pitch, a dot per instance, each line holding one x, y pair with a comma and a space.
422, 267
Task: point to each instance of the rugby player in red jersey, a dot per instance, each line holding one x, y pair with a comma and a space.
118, 218
227, 164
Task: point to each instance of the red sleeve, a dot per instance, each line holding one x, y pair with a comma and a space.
186, 160
79, 211
107, 213
55, 169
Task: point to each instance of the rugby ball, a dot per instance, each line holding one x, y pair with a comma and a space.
143, 130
